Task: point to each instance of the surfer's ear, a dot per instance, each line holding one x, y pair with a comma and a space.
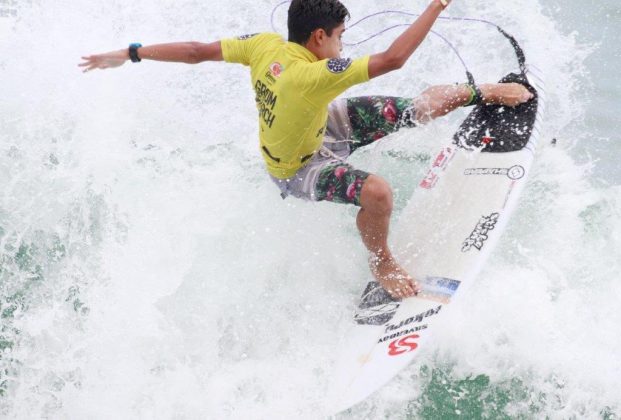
319, 36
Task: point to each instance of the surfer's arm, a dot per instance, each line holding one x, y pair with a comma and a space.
404, 46
179, 52
182, 52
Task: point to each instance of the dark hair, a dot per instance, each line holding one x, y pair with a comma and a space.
307, 15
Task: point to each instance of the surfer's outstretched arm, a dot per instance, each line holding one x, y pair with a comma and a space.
177, 52
404, 46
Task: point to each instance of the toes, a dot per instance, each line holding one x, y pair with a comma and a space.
395, 293
406, 288
416, 288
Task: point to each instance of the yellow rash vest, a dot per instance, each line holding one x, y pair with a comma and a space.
293, 90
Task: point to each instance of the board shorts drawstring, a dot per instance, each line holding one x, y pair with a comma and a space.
327, 153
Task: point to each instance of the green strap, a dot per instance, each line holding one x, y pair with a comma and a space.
476, 97
473, 94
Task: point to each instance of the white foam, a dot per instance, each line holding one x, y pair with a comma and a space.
186, 288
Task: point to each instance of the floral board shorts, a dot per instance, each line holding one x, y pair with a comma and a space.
352, 123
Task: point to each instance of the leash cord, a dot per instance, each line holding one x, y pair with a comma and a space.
518, 50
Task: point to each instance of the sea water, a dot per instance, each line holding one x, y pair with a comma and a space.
149, 268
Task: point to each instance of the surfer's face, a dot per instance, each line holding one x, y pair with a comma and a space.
336, 42
328, 46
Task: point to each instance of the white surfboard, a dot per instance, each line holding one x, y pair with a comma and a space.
443, 238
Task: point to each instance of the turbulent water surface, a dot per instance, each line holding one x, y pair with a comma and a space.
149, 269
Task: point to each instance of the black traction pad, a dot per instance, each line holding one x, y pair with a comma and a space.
497, 128
376, 307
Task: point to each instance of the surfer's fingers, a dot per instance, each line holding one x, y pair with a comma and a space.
91, 67
90, 59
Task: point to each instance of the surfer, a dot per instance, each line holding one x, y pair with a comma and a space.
306, 134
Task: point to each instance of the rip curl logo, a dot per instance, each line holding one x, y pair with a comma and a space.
338, 65
479, 235
247, 36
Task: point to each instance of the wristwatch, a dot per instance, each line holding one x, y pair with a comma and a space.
133, 51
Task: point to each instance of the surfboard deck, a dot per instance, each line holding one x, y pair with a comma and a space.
444, 235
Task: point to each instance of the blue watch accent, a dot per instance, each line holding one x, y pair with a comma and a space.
133, 52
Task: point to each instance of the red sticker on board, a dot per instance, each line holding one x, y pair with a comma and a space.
403, 345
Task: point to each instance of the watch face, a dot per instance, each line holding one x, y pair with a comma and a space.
133, 52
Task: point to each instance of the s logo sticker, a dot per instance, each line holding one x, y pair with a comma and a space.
338, 65
403, 345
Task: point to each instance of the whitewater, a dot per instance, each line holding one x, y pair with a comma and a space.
149, 268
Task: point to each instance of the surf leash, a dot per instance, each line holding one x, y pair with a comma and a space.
516, 46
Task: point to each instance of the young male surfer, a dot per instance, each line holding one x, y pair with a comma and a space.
306, 134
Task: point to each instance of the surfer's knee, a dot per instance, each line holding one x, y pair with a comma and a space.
376, 195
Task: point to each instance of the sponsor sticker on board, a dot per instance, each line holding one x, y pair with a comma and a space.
438, 289
439, 165
403, 345
480, 233
515, 172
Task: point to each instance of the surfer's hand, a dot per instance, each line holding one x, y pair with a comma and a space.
105, 61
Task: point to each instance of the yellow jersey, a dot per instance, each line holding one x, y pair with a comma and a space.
293, 90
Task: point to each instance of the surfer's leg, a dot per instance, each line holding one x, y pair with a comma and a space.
339, 182
371, 118
437, 101
373, 221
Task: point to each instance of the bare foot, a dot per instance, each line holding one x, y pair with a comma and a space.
392, 277
510, 94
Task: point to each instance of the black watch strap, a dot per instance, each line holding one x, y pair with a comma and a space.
133, 52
